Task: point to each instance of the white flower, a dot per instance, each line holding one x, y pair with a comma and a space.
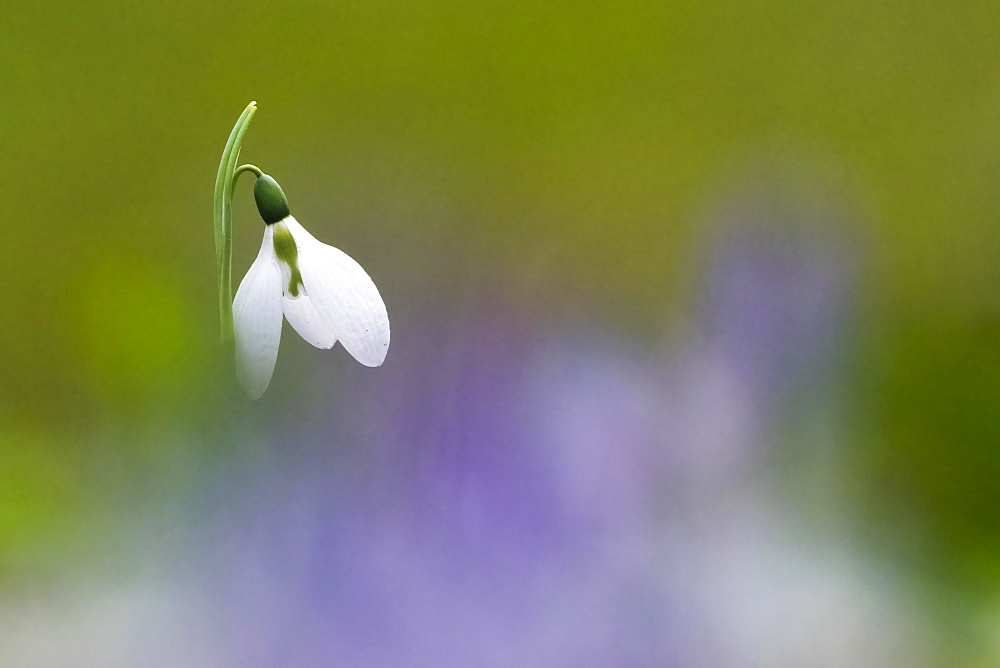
324, 294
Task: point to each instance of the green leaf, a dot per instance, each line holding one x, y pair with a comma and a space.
223, 214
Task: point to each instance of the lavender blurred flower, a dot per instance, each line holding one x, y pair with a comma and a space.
551, 496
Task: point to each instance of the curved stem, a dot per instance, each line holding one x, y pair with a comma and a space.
223, 215
247, 168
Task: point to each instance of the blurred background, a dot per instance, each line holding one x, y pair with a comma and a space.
695, 336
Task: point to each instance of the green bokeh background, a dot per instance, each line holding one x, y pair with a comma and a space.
572, 148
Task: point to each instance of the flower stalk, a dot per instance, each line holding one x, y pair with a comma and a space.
222, 212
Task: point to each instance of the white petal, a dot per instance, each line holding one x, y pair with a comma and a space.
302, 316
257, 320
344, 296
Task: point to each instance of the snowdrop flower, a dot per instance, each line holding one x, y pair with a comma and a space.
325, 295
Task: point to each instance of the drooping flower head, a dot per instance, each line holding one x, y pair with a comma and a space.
324, 294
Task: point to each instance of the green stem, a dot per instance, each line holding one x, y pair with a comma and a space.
246, 168
223, 218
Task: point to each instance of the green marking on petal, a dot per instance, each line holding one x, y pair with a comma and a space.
287, 252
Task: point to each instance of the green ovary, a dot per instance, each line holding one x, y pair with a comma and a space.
287, 252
